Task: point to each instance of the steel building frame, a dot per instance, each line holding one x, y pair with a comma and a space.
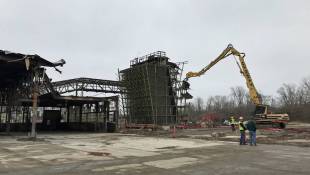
87, 85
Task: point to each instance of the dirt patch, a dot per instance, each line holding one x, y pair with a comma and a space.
32, 139
99, 153
168, 147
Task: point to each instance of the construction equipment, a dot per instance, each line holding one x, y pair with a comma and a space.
262, 115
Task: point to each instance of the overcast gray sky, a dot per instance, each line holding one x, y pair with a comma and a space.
96, 37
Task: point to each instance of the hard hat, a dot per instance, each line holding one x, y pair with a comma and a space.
240, 118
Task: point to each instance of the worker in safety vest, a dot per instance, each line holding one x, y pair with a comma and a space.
232, 123
242, 129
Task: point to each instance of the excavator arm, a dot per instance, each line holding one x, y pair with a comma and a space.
230, 50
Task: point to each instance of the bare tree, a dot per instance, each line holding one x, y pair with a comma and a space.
209, 104
238, 94
291, 98
305, 90
267, 99
199, 104
288, 94
191, 111
273, 102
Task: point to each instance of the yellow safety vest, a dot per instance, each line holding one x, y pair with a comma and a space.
240, 127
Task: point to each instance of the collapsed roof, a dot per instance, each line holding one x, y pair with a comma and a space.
15, 67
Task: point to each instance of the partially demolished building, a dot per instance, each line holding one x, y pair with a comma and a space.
153, 93
26, 92
150, 91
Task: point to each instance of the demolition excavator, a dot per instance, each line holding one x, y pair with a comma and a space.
262, 114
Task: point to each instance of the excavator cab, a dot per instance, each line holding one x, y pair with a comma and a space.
260, 109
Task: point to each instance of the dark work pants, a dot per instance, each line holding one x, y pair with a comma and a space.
253, 137
242, 137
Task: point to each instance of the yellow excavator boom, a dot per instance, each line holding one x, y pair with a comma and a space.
230, 50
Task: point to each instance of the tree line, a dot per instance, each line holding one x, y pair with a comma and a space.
293, 99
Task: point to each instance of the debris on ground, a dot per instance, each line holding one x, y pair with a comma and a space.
99, 153
294, 134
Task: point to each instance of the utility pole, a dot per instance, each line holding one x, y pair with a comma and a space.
35, 89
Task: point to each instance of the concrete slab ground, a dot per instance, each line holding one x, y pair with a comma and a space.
85, 153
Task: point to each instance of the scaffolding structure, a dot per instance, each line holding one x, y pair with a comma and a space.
152, 92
